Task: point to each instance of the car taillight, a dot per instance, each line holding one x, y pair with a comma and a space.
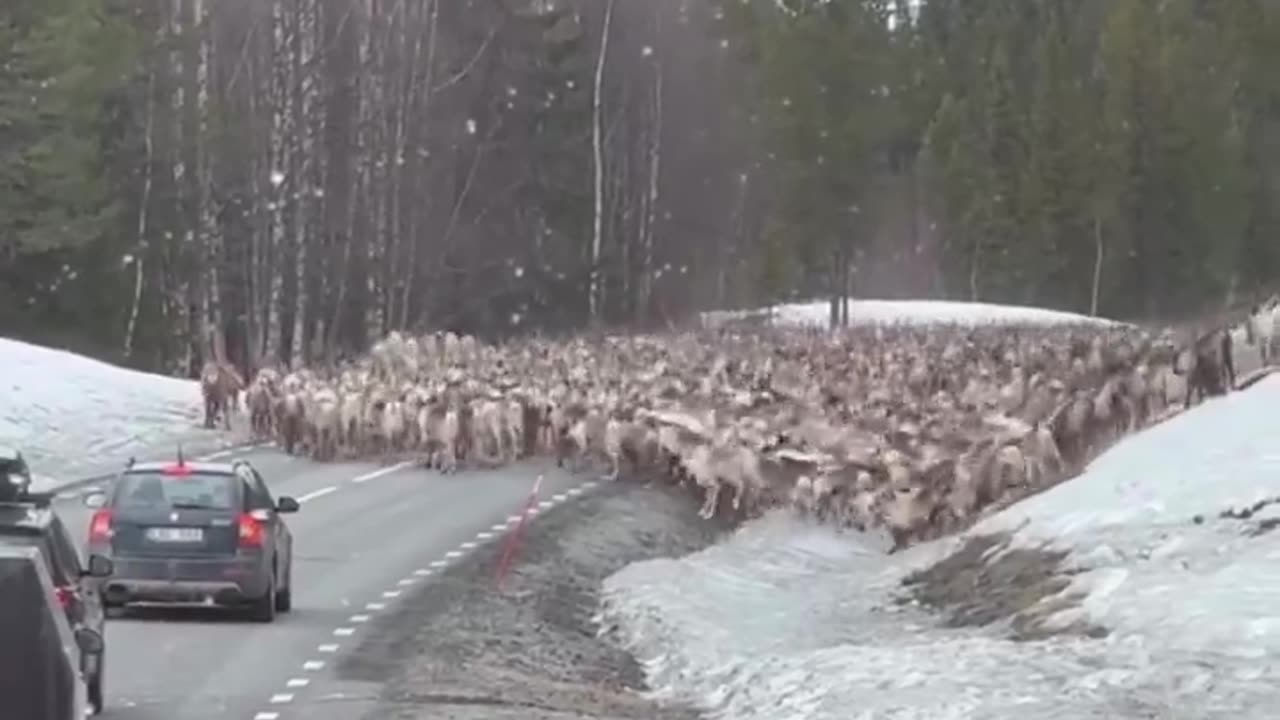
100, 527
65, 596
251, 531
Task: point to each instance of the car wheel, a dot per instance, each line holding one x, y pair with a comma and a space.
95, 684
284, 596
264, 608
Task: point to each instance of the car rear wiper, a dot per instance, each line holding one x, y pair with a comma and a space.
194, 506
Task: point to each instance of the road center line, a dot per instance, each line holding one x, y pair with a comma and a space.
281, 698
317, 493
267, 716
313, 665
381, 471
297, 682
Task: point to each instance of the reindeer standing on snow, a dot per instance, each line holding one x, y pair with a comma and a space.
220, 385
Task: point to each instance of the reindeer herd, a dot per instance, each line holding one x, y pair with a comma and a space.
916, 431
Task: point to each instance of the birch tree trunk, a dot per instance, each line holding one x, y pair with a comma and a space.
144, 205
597, 149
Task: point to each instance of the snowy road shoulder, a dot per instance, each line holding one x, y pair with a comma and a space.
1166, 590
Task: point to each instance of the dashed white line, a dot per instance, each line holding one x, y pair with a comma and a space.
381, 471
560, 497
484, 536
267, 716
589, 484
406, 582
317, 494
297, 682
574, 492
468, 546
422, 572
329, 648
438, 563
453, 554
500, 527
344, 632
313, 665
513, 519
545, 504
281, 698
375, 606
359, 618
391, 594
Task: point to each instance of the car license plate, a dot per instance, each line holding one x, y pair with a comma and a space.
175, 534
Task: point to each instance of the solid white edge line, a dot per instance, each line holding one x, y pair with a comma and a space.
318, 493
381, 471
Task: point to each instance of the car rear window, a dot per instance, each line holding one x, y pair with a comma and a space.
195, 491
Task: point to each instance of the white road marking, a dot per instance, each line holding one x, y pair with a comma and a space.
560, 498
281, 698
297, 682
317, 493
500, 527
513, 519
382, 471
589, 484
452, 554
375, 606
484, 536
545, 504
359, 618
438, 563
313, 665
329, 648
468, 546
391, 594
267, 716
574, 492
422, 572
344, 632
407, 582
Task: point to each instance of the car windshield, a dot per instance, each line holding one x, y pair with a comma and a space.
197, 491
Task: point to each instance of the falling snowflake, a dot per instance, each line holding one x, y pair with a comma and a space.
724, 43
277, 178
571, 84
511, 91
516, 318
126, 260
471, 126
647, 51
518, 271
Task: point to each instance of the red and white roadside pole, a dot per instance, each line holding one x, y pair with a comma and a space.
512, 543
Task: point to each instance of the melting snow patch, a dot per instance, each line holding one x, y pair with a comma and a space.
863, 312
1165, 541
73, 416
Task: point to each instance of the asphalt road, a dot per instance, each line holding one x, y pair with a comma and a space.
365, 535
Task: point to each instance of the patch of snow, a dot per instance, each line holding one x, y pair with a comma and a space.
911, 312
73, 417
786, 620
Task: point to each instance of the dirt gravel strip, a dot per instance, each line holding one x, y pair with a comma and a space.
458, 649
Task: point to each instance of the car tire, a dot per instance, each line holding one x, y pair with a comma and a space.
94, 684
264, 608
284, 597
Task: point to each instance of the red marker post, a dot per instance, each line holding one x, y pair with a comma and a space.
513, 540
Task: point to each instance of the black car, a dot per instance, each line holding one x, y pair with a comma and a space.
195, 532
28, 520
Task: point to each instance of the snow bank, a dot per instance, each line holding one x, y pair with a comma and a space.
74, 417
789, 621
930, 312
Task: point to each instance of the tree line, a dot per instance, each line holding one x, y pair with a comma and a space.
1119, 157
283, 180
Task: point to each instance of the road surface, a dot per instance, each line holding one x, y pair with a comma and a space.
366, 535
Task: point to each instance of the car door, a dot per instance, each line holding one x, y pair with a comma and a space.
260, 497
89, 589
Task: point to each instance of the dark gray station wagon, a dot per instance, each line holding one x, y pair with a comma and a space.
195, 532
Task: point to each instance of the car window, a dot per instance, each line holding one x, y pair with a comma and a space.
261, 489
203, 491
256, 494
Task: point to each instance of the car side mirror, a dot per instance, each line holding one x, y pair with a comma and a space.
94, 499
89, 640
287, 505
100, 567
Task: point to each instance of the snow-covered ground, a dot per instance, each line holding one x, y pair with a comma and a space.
74, 417
788, 621
934, 312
